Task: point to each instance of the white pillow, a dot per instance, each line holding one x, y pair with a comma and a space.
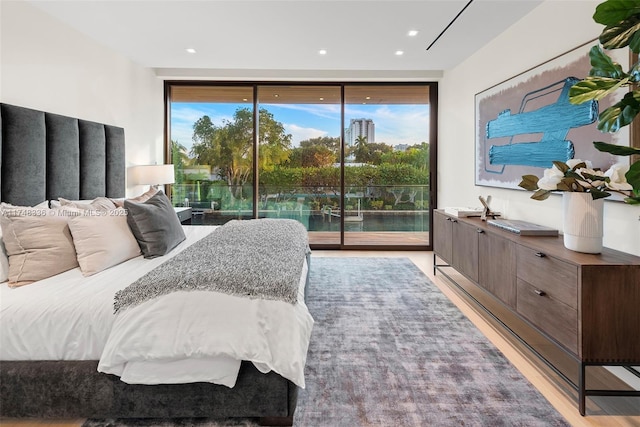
99, 203
37, 242
42, 205
102, 239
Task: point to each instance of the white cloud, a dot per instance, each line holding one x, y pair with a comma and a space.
327, 111
183, 119
407, 124
182, 133
300, 133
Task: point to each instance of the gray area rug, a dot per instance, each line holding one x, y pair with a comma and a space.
389, 349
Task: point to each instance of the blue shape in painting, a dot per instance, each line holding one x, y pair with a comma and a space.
554, 122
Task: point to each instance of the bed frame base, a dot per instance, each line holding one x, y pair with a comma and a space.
276, 421
74, 389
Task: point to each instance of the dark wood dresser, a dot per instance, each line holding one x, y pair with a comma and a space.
586, 305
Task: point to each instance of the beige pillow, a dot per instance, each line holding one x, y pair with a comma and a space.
102, 240
38, 244
4, 261
99, 203
41, 205
140, 199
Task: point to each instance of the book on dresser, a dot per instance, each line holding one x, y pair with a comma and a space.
522, 228
463, 212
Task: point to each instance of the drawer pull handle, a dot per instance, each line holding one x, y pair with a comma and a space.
479, 231
539, 292
540, 255
448, 219
454, 220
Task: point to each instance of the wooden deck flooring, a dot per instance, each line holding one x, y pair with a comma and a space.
370, 238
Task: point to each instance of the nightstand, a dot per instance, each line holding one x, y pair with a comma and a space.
184, 214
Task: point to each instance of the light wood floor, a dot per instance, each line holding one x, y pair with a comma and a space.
550, 388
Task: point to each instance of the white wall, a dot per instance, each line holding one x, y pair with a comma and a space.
46, 65
551, 29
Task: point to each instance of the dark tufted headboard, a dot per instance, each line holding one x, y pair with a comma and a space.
45, 156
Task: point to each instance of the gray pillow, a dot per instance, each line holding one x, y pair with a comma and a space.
155, 225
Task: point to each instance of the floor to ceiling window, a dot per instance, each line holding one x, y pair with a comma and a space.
349, 161
386, 176
303, 181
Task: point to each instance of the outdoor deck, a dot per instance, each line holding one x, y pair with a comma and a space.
332, 237
373, 238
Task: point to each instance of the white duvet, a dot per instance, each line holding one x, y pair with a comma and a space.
177, 338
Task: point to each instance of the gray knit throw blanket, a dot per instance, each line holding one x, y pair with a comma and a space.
258, 258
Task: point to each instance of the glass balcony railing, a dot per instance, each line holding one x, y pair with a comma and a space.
394, 208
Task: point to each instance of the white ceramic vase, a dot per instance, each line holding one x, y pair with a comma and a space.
582, 222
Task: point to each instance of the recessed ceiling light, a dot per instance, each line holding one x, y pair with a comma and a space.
245, 99
322, 52
399, 52
368, 97
321, 99
412, 33
191, 50
275, 95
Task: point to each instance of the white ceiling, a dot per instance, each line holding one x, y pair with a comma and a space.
287, 35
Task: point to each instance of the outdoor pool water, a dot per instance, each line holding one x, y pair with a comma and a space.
409, 221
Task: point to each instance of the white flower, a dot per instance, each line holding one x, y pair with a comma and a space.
618, 181
579, 178
550, 179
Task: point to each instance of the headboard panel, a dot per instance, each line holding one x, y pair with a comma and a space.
45, 156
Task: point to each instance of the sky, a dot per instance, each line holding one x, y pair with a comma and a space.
394, 124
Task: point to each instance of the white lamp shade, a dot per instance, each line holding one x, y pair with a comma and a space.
151, 174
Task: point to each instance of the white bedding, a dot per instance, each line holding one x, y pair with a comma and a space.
70, 317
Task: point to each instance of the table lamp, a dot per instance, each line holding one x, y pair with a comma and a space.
154, 175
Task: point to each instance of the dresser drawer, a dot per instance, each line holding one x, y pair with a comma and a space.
551, 316
556, 278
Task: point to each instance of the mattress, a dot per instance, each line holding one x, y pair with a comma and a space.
70, 317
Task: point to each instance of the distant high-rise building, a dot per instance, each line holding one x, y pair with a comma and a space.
360, 127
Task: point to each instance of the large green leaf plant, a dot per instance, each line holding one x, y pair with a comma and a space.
621, 19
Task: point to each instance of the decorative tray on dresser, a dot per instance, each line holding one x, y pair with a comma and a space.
587, 306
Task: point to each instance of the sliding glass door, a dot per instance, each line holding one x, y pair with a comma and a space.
350, 161
386, 177
299, 157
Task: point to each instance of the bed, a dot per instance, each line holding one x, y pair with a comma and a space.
47, 156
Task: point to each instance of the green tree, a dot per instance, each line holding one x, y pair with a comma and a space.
229, 148
274, 144
312, 156
332, 143
376, 151
180, 159
416, 156
361, 149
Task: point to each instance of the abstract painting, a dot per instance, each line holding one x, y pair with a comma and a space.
527, 122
